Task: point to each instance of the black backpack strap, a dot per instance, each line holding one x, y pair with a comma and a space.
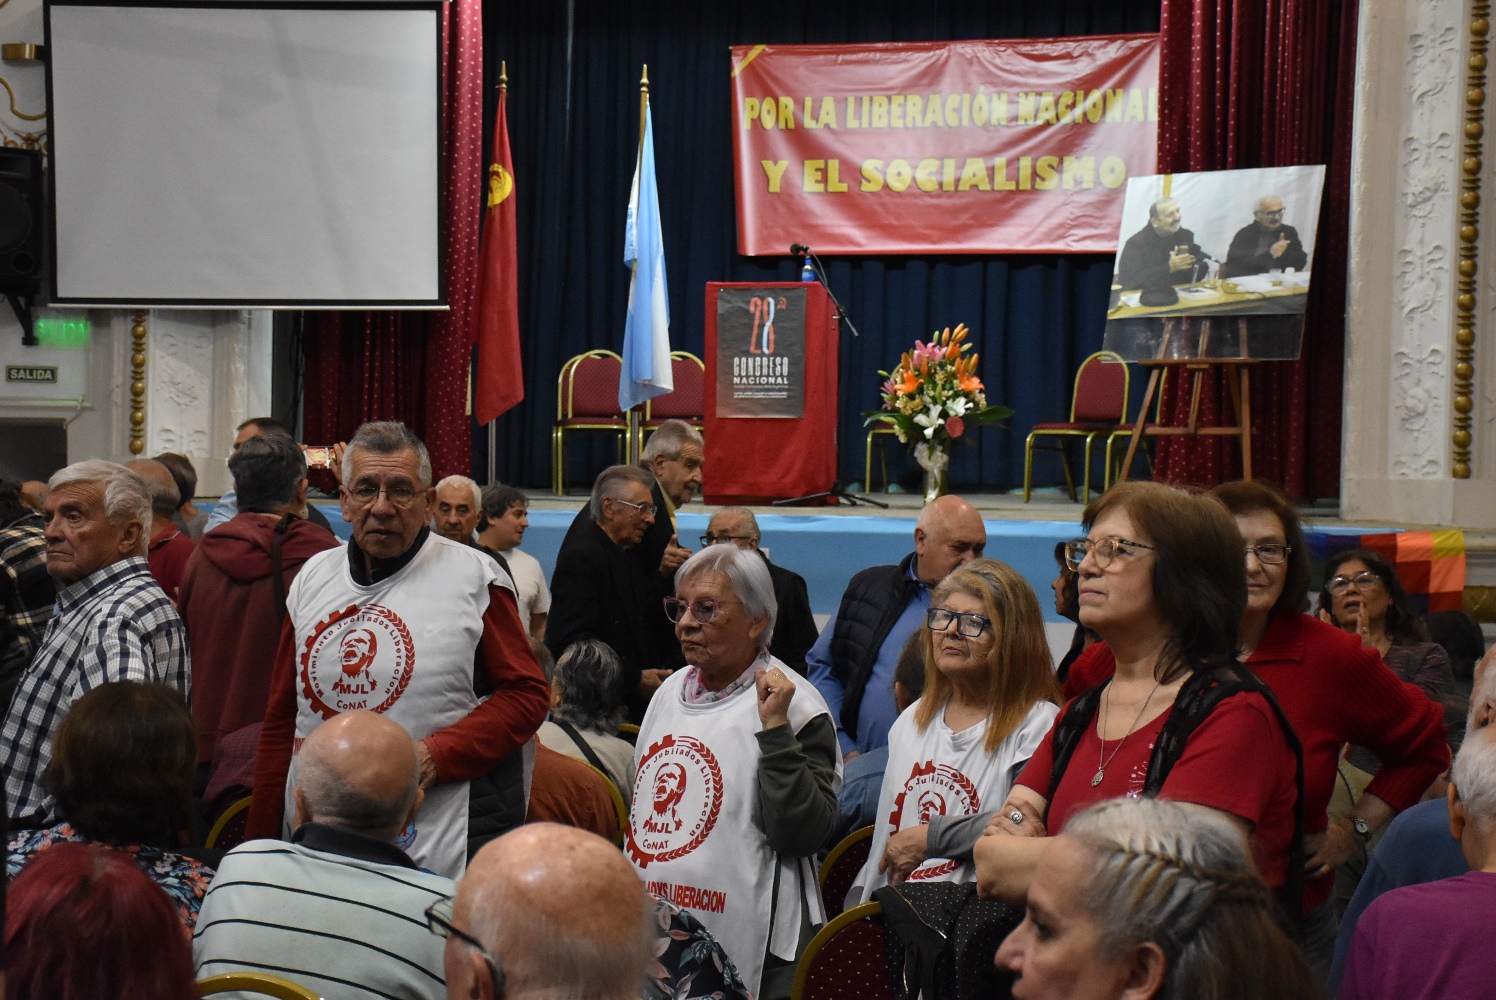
582, 745
1199, 696
1068, 732
921, 942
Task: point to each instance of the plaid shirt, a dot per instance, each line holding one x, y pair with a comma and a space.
115, 624
26, 591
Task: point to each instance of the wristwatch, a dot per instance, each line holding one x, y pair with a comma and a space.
1362, 828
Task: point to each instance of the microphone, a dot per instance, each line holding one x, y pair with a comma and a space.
799, 249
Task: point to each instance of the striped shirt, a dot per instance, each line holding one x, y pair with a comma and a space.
115, 624
337, 912
26, 591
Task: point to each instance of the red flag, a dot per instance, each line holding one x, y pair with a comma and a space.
500, 379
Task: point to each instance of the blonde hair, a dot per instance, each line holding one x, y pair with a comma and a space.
1020, 670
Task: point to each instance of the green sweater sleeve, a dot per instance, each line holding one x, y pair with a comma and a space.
797, 786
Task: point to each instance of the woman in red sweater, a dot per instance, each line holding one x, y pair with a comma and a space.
1161, 583
1332, 689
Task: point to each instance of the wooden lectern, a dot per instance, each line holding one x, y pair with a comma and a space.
756, 450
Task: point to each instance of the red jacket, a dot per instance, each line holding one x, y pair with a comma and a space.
168, 558
233, 613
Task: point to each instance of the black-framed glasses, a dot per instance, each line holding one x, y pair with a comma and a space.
1103, 550
714, 539
400, 495
647, 509
969, 625
1364, 580
1270, 553
703, 610
439, 922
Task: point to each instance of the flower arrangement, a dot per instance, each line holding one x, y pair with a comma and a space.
933, 397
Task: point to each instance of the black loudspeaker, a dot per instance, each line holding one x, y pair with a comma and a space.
22, 222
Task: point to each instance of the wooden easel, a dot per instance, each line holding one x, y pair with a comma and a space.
1238, 380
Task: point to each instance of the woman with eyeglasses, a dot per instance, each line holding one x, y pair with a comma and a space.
1333, 692
1363, 596
989, 698
736, 771
1161, 583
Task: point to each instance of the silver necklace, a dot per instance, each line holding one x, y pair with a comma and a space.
1106, 707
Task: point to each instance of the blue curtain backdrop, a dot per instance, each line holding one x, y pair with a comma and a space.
573, 118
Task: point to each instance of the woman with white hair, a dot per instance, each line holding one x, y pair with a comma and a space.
1144, 898
736, 773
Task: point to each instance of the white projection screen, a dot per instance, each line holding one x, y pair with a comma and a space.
245, 154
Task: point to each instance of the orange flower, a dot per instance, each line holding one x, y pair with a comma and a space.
910, 383
970, 383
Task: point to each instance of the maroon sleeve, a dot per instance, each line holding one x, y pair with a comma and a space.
1035, 774
273, 759
1395, 721
1089, 669
506, 719
1238, 761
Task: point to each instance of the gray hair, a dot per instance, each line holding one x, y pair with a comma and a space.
588, 677
1180, 876
1474, 776
747, 516
1155, 210
464, 481
165, 497
572, 965
330, 799
609, 482
126, 496
749, 576
1267, 198
387, 437
668, 440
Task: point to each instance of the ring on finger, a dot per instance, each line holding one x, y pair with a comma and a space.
1017, 817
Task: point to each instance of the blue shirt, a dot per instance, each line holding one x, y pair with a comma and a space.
223, 511
878, 711
1416, 848
857, 802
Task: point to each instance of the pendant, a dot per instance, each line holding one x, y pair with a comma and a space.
1100, 773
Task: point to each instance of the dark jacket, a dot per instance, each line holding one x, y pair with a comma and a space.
233, 605
651, 548
794, 626
1144, 262
600, 591
1249, 253
870, 607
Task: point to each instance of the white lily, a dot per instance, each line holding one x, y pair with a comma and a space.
931, 420
957, 407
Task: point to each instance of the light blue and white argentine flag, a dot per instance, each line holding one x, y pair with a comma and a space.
646, 334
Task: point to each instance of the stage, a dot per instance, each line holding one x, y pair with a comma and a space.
827, 545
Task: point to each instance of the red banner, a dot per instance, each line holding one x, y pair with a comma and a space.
1015, 146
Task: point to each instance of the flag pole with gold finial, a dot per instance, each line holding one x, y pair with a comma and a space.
634, 445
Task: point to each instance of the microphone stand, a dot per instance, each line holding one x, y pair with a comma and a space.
820, 272
836, 491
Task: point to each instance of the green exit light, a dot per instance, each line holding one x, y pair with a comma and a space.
63, 331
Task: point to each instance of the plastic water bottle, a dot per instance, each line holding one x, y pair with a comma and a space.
807, 273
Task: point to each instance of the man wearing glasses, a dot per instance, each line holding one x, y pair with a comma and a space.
1265, 244
420, 629
599, 590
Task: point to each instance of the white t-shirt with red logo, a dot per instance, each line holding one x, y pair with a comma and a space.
402, 647
695, 832
942, 773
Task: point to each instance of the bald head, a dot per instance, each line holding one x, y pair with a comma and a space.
563, 910
358, 771
165, 499
949, 533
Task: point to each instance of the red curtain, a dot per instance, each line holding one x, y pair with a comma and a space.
413, 366
1261, 83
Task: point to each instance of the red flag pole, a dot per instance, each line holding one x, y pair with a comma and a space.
499, 385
